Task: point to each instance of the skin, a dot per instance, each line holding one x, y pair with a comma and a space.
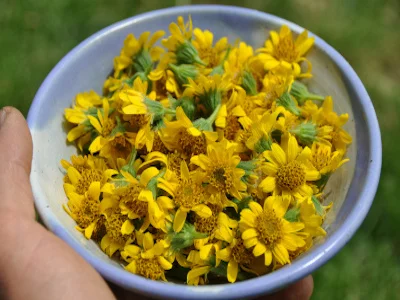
34, 263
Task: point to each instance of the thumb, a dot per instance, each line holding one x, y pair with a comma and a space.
15, 164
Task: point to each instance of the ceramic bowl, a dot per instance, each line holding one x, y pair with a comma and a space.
84, 68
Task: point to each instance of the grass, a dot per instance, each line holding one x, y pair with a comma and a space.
36, 34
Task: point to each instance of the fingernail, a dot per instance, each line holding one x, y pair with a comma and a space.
3, 115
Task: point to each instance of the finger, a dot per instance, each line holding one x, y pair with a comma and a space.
301, 290
15, 163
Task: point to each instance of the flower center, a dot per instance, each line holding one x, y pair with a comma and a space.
121, 147
174, 162
88, 212
149, 268
232, 127
158, 144
221, 178
137, 121
189, 194
320, 159
113, 226
291, 176
269, 227
88, 176
108, 127
129, 197
241, 254
286, 49
192, 145
207, 225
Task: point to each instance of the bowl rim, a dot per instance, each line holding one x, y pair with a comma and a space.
252, 287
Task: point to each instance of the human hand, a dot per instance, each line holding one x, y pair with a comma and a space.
35, 264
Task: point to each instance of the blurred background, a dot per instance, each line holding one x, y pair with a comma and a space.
36, 34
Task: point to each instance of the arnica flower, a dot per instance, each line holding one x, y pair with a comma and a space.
90, 170
237, 256
113, 140
86, 209
139, 54
212, 56
326, 116
312, 221
275, 84
282, 51
222, 175
148, 258
209, 90
288, 171
324, 160
183, 136
308, 133
189, 195
236, 63
180, 43
260, 138
268, 232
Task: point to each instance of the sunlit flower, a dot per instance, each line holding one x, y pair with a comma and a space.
288, 171
268, 232
282, 50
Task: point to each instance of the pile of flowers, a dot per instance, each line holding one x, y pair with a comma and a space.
204, 161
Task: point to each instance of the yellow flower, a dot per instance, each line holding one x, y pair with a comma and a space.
211, 55
311, 220
148, 259
83, 172
237, 256
260, 138
86, 209
326, 116
181, 135
275, 84
268, 232
324, 160
199, 269
138, 53
282, 51
189, 195
112, 141
222, 175
287, 172
237, 61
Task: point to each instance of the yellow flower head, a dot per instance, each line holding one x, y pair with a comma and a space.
324, 160
268, 232
139, 54
148, 259
212, 56
282, 51
222, 175
183, 136
288, 171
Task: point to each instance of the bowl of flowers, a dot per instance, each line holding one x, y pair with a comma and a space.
203, 152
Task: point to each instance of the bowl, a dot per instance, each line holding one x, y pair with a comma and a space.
86, 67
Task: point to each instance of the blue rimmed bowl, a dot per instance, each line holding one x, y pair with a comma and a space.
84, 68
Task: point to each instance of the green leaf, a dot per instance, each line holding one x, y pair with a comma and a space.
292, 215
318, 206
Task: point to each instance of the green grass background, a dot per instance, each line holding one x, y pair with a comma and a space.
36, 34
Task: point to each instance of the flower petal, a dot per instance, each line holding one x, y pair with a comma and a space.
202, 210
179, 220
249, 233
267, 257
232, 272
259, 249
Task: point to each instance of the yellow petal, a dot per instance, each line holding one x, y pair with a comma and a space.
131, 267
179, 220
148, 241
148, 174
293, 148
255, 208
197, 272
281, 254
259, 249
224, 254
205, 251
202, 210
95, 123
89, 230
267, 257
74, 175
268, 185
249, 233
250, 242
278, 154
127, 227
165, 264
233, 269
94, 190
